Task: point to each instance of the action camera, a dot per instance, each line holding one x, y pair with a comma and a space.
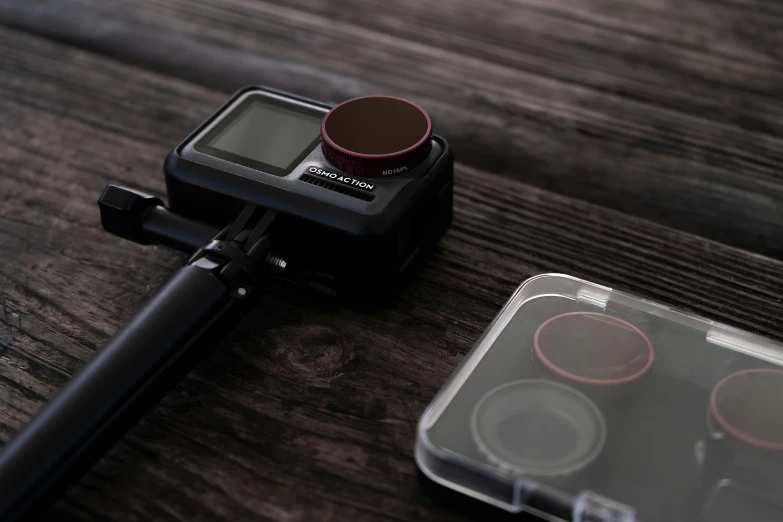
272, 186
356, 206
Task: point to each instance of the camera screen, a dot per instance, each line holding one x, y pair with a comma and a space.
264, 136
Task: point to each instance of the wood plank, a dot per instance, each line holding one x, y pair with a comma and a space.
666, 110
310, 413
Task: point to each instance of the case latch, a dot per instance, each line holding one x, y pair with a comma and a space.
593, 296
592, 507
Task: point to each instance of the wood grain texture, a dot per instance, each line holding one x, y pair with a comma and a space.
310, 412
667, 110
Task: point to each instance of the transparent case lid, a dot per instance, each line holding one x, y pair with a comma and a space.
586, 404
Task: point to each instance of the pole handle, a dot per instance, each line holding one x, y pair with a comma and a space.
187, 317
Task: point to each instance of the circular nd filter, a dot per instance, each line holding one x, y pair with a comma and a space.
374, 136
538, 427
592, 348
748, 406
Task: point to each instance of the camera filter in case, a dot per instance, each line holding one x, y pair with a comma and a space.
581, 403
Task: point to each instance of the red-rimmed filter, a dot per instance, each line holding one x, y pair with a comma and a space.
375, 136
592, 348
748, 406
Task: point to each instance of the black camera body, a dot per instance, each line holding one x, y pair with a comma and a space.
340, 200
342, 232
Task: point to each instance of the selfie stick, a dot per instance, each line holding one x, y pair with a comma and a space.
198, 306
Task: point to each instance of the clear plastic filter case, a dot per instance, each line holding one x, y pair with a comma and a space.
586, 404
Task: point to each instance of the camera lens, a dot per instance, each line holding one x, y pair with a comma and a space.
376, 136
592, 348
746, 406
538, 427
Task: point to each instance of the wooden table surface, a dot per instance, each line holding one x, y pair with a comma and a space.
634, 143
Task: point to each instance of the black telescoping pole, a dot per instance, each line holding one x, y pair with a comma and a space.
190, 314
135, 368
